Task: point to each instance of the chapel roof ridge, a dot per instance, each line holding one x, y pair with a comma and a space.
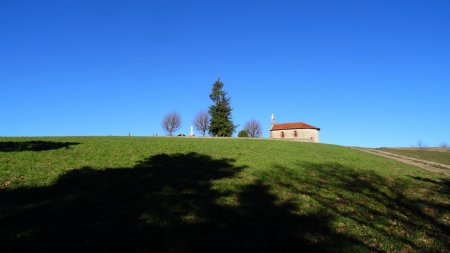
293, 125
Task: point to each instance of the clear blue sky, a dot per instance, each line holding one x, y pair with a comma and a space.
370, 73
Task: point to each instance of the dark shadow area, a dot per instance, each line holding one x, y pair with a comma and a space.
167, 203
11, 146
442, 185
390, 207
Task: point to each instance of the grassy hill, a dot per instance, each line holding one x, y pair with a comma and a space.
136, 194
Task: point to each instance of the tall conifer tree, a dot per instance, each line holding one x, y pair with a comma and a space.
220, 111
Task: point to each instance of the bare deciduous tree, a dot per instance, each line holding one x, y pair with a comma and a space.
253, 128
443, 145
421, 144
171, 122
201, 122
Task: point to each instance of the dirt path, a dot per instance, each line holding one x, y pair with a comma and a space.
423, 164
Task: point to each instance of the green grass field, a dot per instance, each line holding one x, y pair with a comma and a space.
137, 194
435, 156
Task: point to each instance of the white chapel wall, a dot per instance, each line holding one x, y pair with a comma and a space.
307, 135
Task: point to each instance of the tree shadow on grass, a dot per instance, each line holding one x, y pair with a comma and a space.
11, 146
442, 185
166, 203
409, 212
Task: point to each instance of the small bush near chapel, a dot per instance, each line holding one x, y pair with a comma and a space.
243, 133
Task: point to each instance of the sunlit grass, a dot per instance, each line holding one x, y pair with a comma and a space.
435, 156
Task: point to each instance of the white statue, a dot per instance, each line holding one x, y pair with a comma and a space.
192, 131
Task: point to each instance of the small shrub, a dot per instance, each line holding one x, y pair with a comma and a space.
243, 133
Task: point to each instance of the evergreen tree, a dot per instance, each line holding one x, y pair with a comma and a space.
220, 111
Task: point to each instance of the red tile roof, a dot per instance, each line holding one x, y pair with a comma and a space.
296, 125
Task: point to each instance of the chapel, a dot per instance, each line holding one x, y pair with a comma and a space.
297, 131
